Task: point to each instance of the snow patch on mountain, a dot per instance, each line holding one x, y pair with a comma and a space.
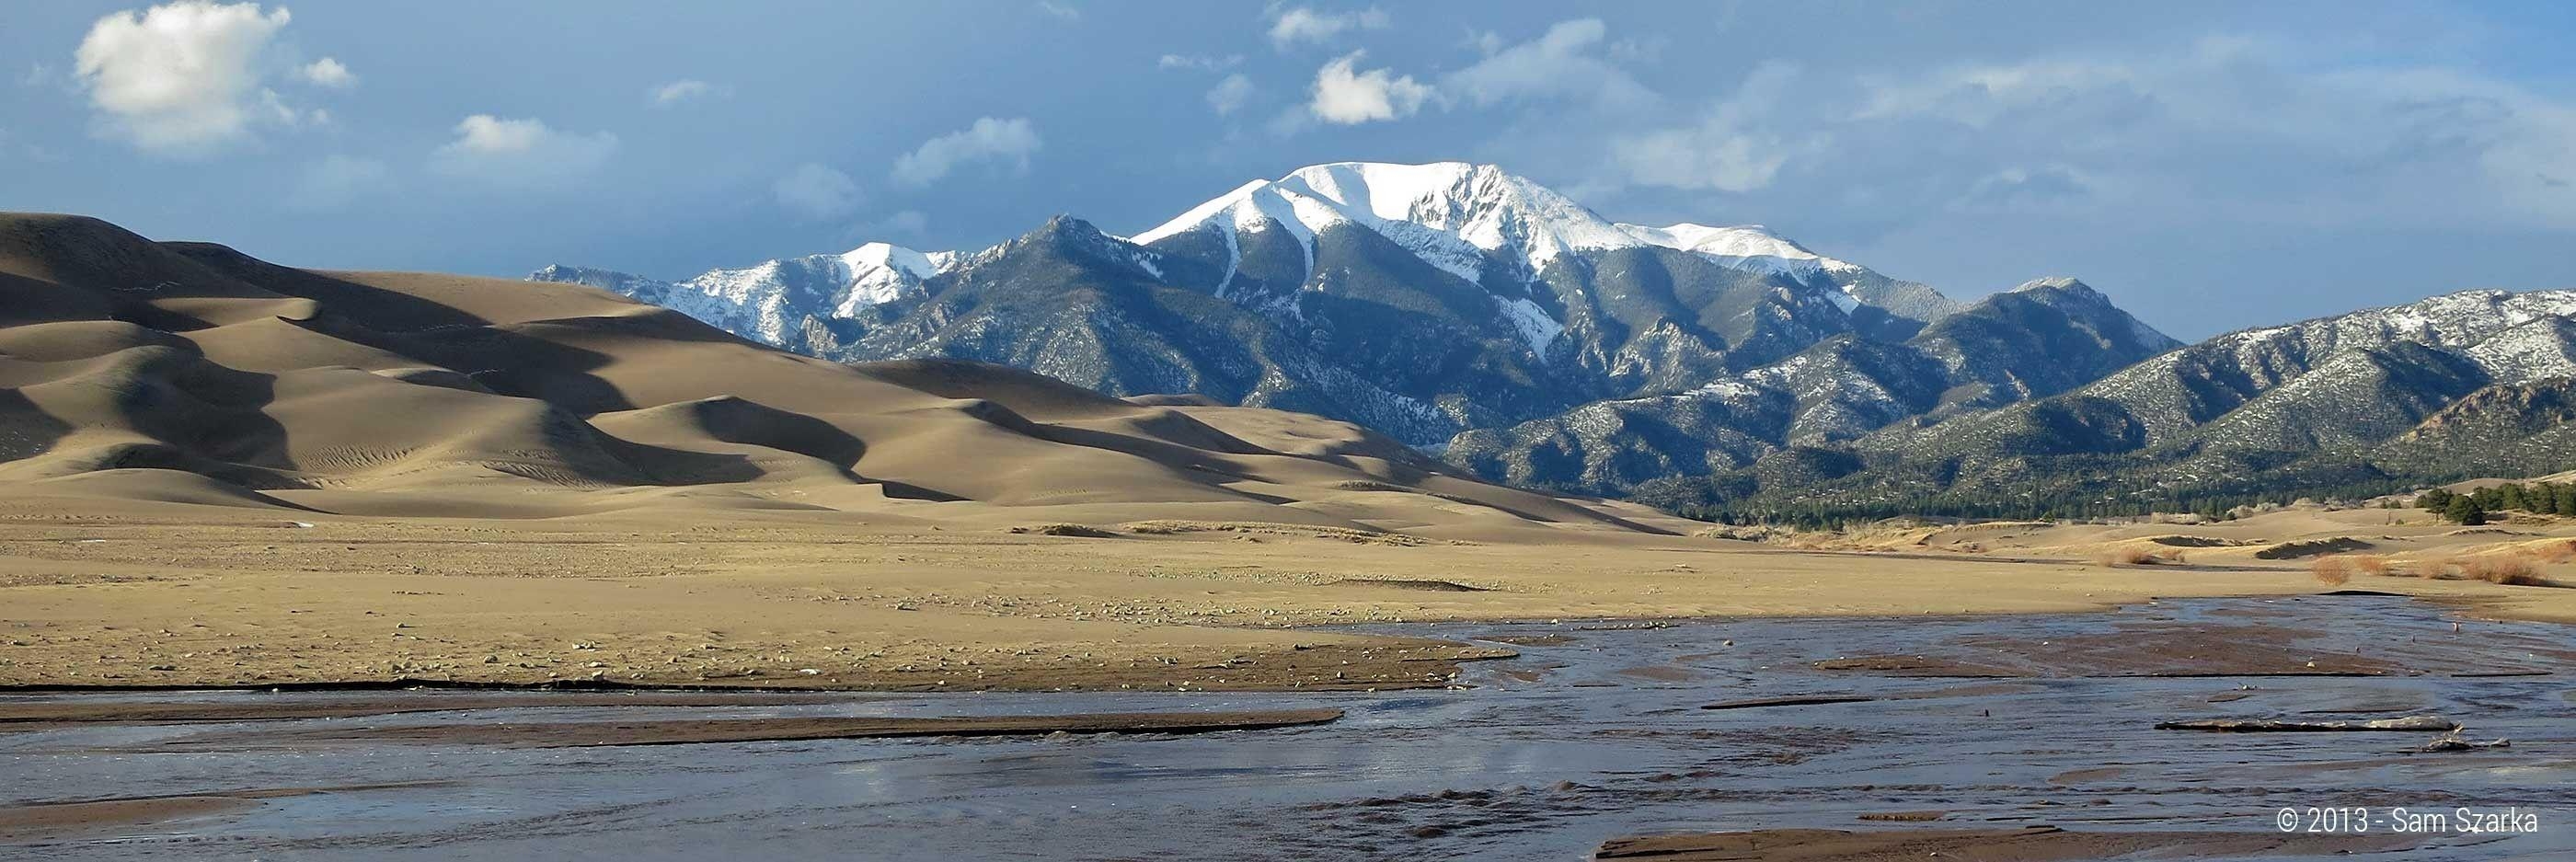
2530, 351
1535, 325
1751, 247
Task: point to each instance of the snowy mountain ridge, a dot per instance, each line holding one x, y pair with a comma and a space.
1461, 218
768, 301
1434, 300
1455, 214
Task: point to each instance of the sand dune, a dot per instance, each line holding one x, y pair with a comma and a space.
201, 374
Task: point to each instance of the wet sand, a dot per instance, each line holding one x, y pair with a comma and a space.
2028, 844
1791, 700
30, 715
2206, 648
59, 820
609, 733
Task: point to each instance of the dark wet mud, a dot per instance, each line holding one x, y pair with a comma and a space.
1864, 734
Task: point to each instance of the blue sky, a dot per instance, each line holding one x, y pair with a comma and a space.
2211, 166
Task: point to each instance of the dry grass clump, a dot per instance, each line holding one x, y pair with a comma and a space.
2514, 569
2123, 557
2519, 570
1075, 530
1177, 527
2132, 555
2556, 552
2375, 565
2331, 571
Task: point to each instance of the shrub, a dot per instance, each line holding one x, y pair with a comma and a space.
2510, 569
2374, 565
2556, 552
2331, 571
2124, 556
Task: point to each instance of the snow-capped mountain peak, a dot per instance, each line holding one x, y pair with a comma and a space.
879, 273
2056, 282
879, 255
769, 301
1451, 214
1479, 222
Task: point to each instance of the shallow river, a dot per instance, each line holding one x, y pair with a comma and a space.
1597, 731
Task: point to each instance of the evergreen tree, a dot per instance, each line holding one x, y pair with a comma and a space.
2436, 500
2488, 498
2464, 509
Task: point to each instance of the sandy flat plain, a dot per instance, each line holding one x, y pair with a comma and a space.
171, 595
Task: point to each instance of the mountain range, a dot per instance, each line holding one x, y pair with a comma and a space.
2464, 384
1480, 316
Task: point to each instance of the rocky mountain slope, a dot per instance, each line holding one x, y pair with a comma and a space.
2462, 384
2037, 340
2507, 429
1442, 301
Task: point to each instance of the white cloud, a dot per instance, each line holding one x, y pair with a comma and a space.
2257, 135
1060, 10
1011, 141
1978, 95
1728, 150
1649, 49
336, 181
1347, 96
326, 72
1198, 61
1562, 65
2020, 189
683, 90
520, 151
817, 192
1229, 95
2267, 131
904, 223
182, 78
1302, 24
